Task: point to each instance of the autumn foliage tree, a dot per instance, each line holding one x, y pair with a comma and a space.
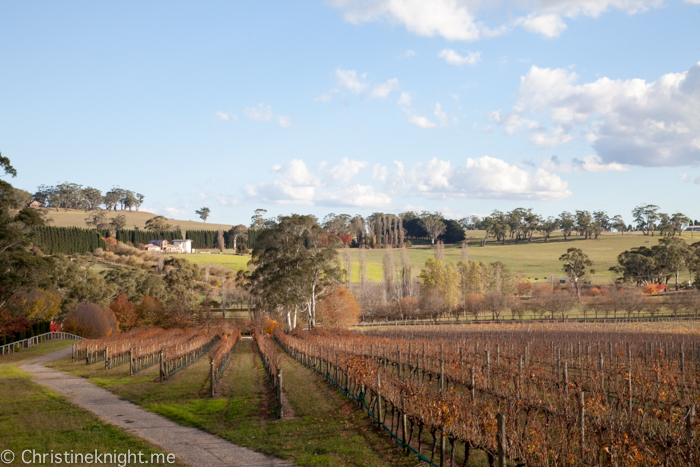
124, 311
339, 309
91, 321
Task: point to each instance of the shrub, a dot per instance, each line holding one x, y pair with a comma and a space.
594, 292
241, 249
91, 321
339, 309
99, 252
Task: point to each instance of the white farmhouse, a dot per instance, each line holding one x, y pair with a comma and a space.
185, 245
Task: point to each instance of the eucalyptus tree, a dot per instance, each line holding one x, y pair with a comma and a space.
576, 265
292, 265
567, 222
645, 216
433, 224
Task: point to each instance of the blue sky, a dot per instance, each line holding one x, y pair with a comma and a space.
357, 106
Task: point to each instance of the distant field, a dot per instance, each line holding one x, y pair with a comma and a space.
76, 218
535, 260
227, 260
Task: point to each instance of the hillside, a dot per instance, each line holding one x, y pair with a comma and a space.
76, 218
534, 260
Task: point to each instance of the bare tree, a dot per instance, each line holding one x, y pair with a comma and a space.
465, 251
439, 253
348, 265
220, 240
401, 233
388, 270
223, 296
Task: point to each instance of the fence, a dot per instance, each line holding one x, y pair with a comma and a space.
270, 359
379, 408
173, 365
26, 343
217, 370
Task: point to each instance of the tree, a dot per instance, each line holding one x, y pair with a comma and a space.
220, 240
158, 224
442, 279
203, 213
92, 197
124, 311
433, 225
118, 222
646, 216
97, 219
453, 232
576, 265
672, 254
618, 224
258, 219
293, 265
548, 226
566, 223
239, 231
91, 321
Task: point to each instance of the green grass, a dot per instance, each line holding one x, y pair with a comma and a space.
327, 429
33, 417
534, 260
227, 260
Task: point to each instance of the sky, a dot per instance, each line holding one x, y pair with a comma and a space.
357, 106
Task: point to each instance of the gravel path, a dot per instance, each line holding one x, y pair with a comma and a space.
191, 445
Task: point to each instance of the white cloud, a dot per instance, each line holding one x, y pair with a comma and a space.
697, 181
326, 96
297, 185
348, 79
284, 122
440, 114
225, 117
405, 100
549, 25
421, 121
263, 113
448, 18
459, 19
453, 58
591, 163
487, 178
594, 163
346, 169
383, 89
479, 178
173, 212
628, 121
410, 53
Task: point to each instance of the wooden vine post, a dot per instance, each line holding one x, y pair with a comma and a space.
212, 377
501, 440
280, 409
162, 369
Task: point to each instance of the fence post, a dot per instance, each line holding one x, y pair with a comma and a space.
501, 440
212, 377
161, 366
582, 420
106, 358
131, 361
690, 419
473, 386
280, 409
379, 399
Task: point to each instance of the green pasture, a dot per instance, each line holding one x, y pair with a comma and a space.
534, 260
34, 417
227, 259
